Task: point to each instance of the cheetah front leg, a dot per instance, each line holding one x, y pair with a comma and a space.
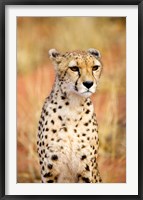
84, 179
49, 174
90, 176
89, 172
96, 174
85, 172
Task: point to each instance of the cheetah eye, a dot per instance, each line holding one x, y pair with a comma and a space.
74, 69
94, 68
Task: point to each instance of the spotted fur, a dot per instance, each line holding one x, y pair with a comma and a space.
68, 132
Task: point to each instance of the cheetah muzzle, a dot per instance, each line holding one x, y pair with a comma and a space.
68, 131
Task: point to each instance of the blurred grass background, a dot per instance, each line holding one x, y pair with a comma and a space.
35, 77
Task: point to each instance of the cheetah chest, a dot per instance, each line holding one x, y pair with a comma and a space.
70, 135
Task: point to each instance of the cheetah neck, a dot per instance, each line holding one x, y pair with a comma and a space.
72, 97
70, 100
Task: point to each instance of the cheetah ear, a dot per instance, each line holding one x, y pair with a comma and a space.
55, 56
53, 53
95, 53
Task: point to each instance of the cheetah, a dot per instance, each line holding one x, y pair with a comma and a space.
68, 140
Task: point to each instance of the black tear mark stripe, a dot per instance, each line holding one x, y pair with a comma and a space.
77, 81
94, 77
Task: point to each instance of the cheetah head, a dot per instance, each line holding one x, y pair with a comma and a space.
79, 71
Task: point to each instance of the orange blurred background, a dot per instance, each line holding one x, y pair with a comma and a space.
35, 77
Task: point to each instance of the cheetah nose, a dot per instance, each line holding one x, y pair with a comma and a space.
88, 84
